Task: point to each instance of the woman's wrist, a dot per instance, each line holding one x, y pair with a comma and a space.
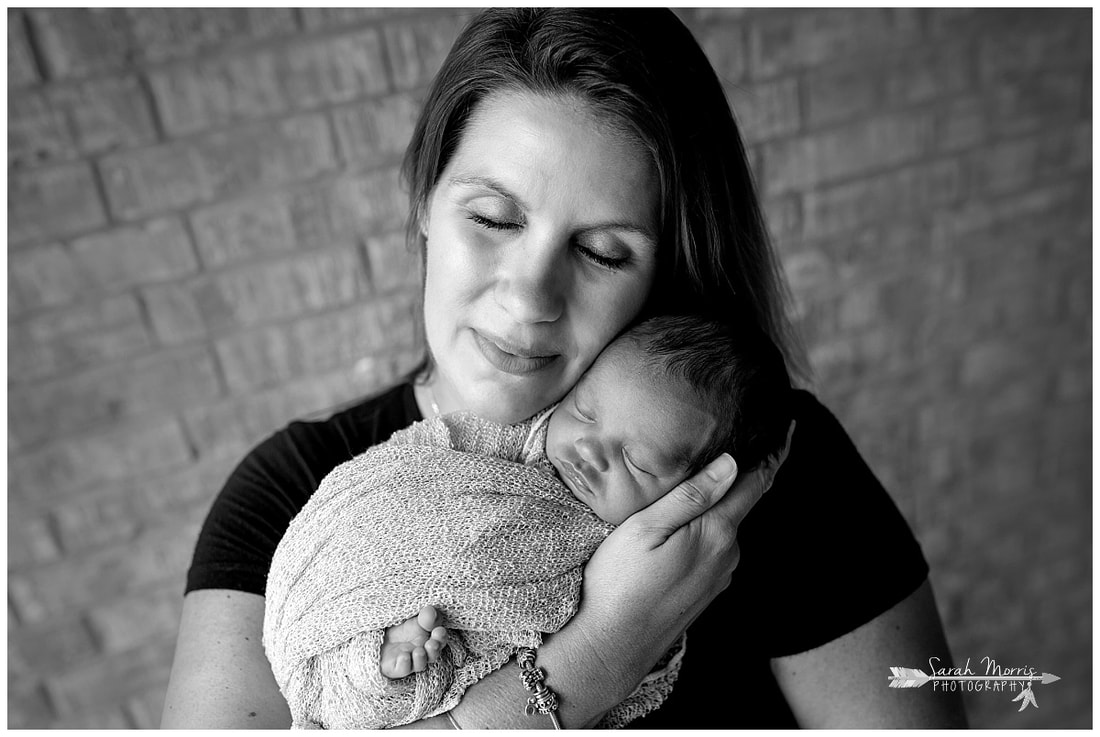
496, 702
586, 680
588, 675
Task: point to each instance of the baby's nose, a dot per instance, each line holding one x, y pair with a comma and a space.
591, 452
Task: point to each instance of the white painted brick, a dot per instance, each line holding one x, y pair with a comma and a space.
52, 201
167, 33
67, 465
377, 131
158, 383
416, 50
392, 265
21, 67
243, 229
41, 276
125, 257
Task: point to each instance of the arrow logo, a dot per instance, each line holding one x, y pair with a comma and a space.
915, 678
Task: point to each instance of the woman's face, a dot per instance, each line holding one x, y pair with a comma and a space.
541, 246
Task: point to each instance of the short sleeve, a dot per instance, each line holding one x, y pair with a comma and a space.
249, 517
826, 550
270, 486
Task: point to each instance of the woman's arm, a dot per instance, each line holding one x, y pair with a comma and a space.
220, 675
636, 582
843, 684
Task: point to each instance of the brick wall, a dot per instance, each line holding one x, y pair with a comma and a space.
204, 227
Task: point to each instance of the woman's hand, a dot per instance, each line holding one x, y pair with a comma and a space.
646, 583
660, 569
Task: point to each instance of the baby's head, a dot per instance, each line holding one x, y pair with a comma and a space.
664, 399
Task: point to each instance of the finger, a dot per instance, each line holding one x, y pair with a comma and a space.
751, 487
691, 498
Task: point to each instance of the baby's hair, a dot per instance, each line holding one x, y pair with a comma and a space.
736, 372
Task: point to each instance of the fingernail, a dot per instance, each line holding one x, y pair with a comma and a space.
721, 468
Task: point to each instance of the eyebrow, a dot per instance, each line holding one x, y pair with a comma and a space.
488, 183
493, 184
628, 228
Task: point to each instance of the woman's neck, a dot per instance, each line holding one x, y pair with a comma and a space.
425, 399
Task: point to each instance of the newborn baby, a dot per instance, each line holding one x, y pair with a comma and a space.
423, 564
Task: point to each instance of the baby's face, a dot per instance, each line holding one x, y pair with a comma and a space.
625, 435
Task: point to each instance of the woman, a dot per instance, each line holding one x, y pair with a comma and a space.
571, 171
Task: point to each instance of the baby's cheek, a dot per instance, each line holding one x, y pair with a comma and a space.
553, 438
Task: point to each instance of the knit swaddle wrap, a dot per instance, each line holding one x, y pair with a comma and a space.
459, 513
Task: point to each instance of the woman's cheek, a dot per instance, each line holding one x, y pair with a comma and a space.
470, 254
455, 261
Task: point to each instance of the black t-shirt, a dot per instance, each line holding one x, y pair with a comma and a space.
814, 562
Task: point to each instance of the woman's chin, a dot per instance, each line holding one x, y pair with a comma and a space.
506, 407
505, 415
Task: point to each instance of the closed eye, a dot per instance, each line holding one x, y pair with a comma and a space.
492, 224
599, 259
632, 464
581, 413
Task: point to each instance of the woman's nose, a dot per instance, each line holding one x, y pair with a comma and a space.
532, 280
591, 452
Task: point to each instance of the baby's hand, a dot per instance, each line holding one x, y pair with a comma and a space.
410, 646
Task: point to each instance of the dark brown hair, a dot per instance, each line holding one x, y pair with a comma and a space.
643, 71
737, 375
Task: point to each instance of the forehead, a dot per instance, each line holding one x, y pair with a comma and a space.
553, 146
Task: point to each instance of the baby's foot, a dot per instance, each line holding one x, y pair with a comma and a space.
410, 646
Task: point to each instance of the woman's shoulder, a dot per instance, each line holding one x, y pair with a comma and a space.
302, 453
818, 434
352, 428
275, 480
823, 467
808, 408
828, 536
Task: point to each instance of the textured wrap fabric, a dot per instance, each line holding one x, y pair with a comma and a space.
459, 513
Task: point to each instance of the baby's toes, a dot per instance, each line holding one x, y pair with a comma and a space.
419, 659
433, 648
435, 644
396, 664
428, 618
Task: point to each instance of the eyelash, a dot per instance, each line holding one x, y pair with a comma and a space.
626, 456
492, 224
634, 465
612, 264
582, 415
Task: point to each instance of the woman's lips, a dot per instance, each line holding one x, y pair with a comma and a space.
509, 358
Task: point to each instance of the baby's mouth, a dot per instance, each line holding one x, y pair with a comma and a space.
574, 478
